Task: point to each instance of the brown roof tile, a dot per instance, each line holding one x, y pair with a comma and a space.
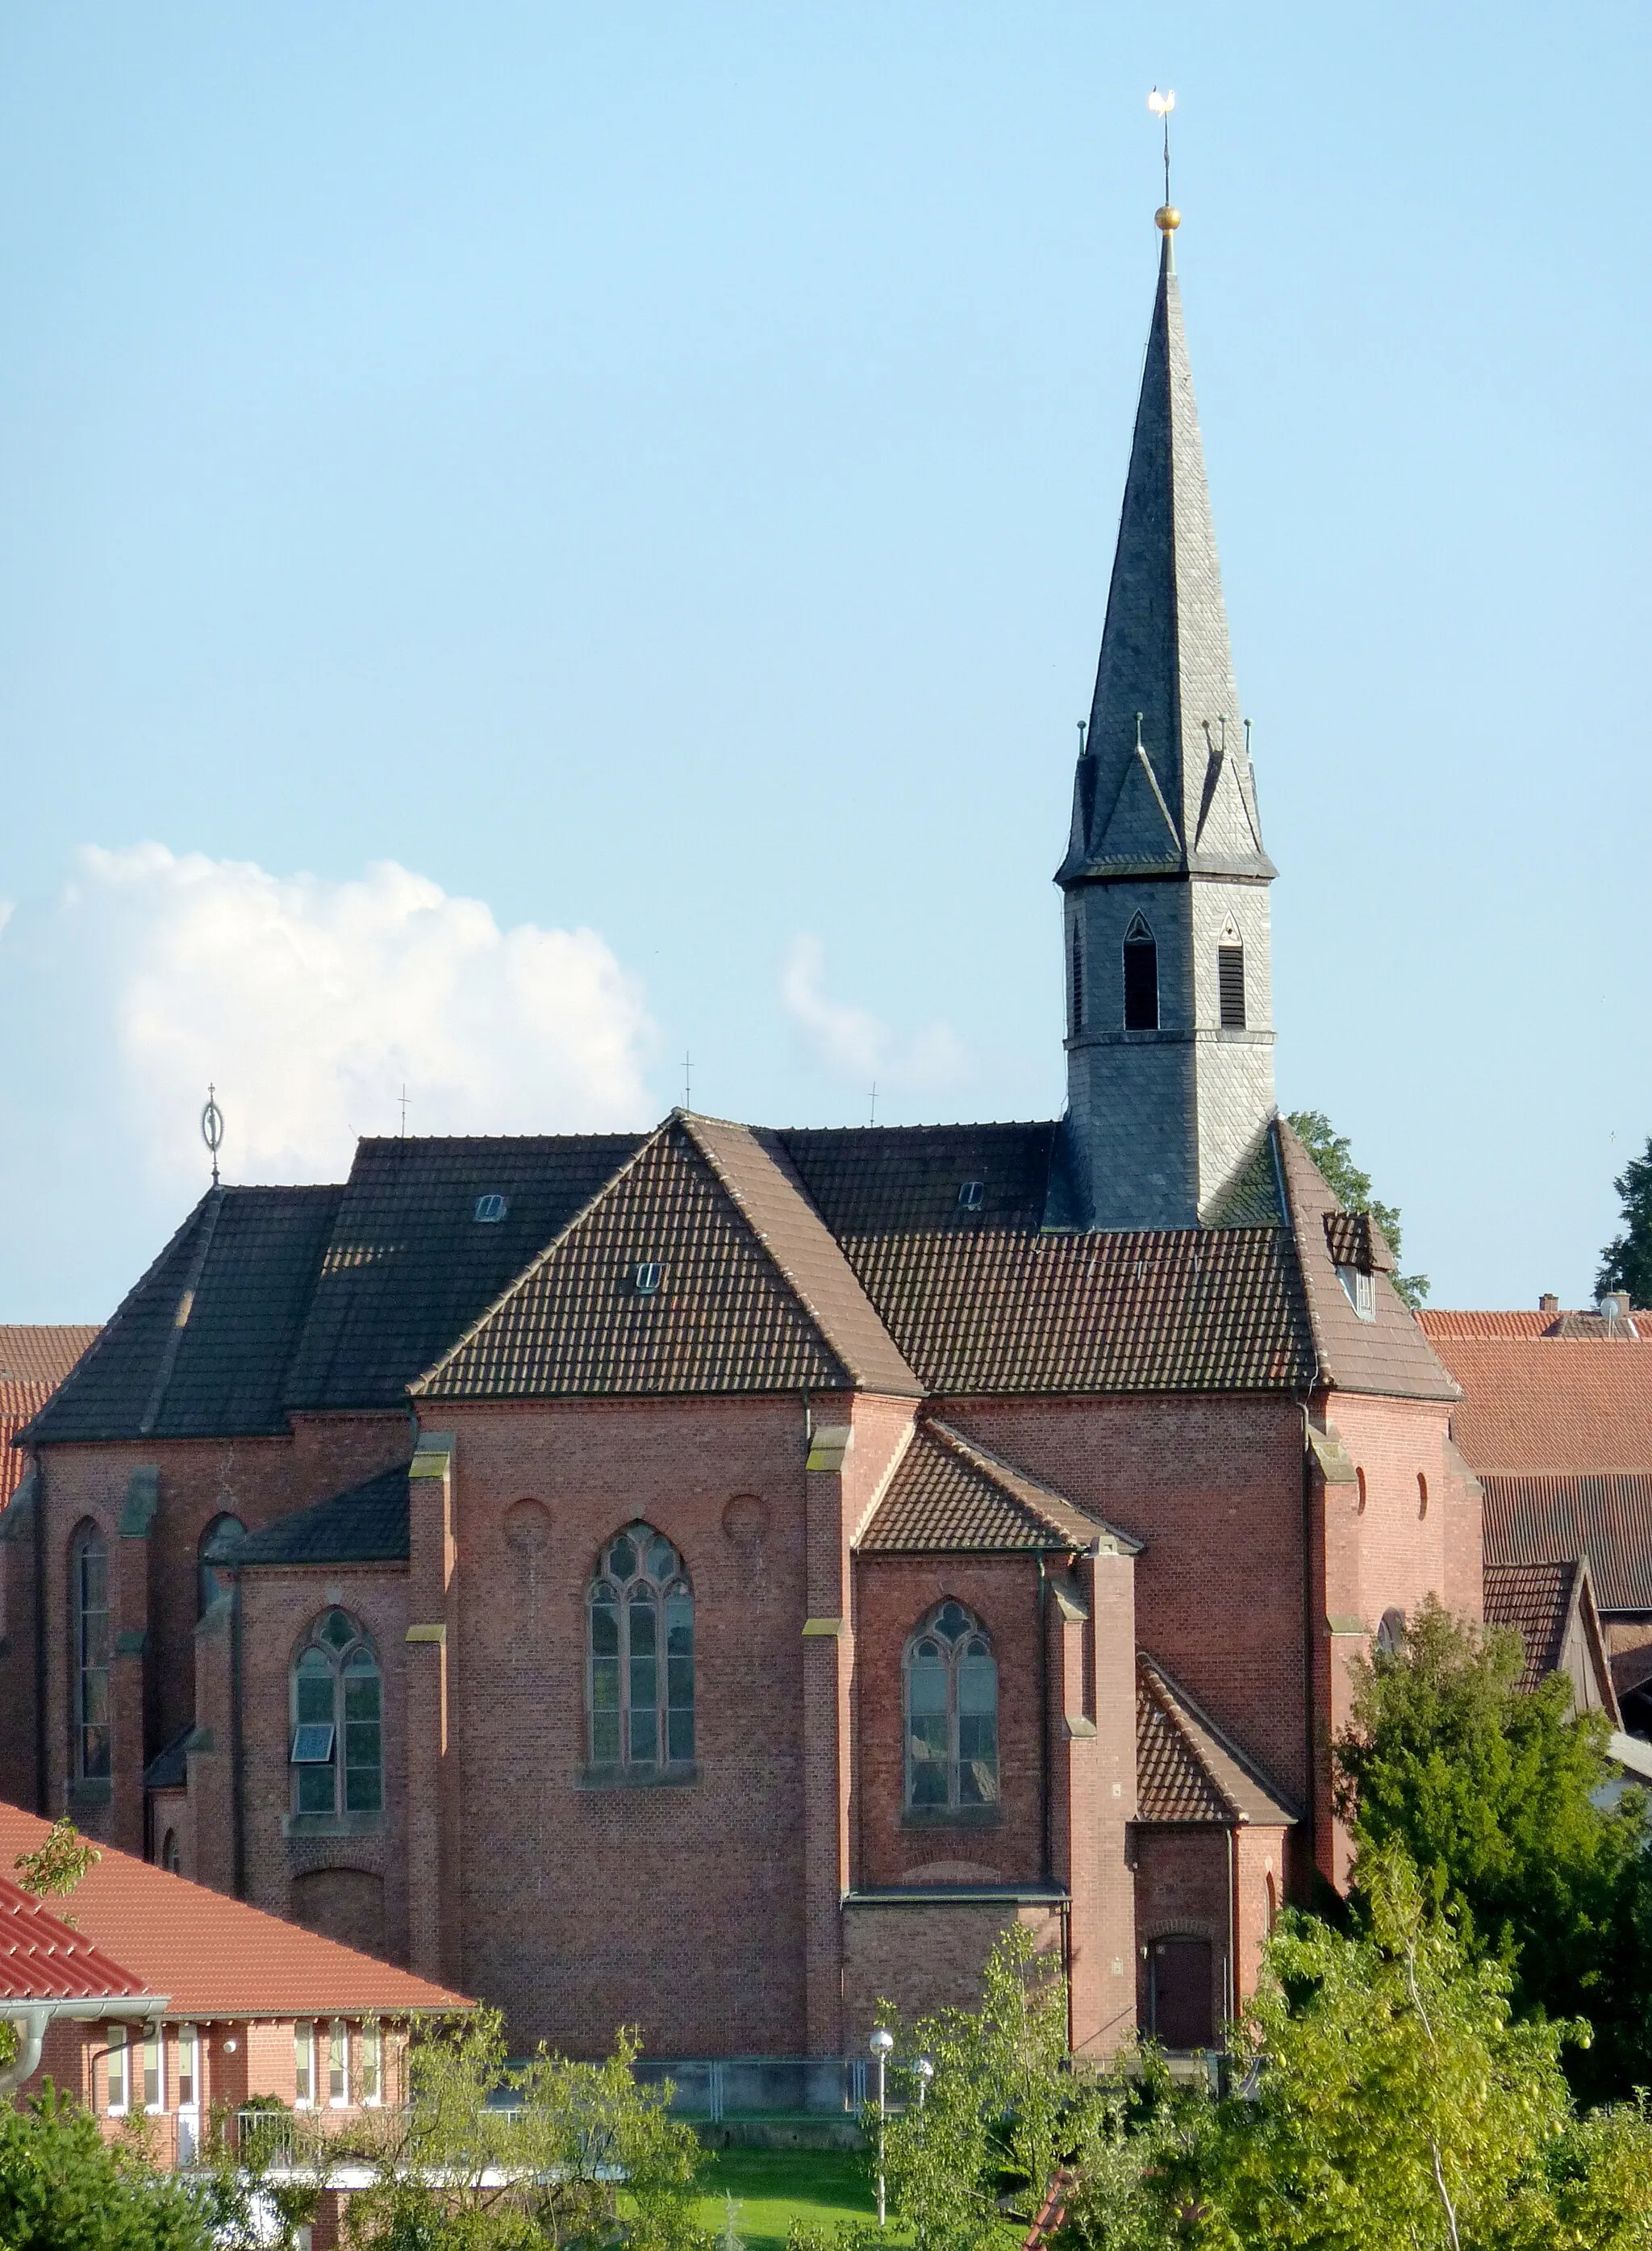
752, 1293
1552, 1520
1536, 1600
884, 1180
1187, 1768
948, 1495
215, 1956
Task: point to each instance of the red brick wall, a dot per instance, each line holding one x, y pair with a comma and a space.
928, 1958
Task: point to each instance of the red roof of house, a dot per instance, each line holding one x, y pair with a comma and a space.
218, 1957
1535, 1402
42, 1959
33, 1361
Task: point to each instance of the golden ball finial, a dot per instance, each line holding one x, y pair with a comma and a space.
1167, 219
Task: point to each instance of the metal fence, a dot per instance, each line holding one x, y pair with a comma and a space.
760, 2086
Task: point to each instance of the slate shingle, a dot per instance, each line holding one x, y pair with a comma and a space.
368, 1524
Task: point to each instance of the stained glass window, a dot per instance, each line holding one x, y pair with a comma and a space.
640, 1624
951, 1713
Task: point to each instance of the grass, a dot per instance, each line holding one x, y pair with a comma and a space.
774, 2187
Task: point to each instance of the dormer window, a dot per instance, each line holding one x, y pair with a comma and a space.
1361, 1287
1141, 978
971, 1196
490, 1209
645, 1278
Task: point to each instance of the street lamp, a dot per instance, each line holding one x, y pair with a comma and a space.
924, 2071
881, 2043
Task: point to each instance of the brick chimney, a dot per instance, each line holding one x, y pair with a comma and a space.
1548, 1303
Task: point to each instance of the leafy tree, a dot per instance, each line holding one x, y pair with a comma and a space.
64, 2188
583, 2155
969, 2167
1333, 1153
57, 1864
1491, 1791
1626, 1263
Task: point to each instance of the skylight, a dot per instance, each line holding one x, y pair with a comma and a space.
491, 1207
971, 1196
645, 1276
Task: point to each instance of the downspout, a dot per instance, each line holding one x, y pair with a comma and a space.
40, 1805
1233, 1922
238, 1775
1312, 1818
1046, 1876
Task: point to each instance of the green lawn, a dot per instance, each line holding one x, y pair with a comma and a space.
774, 2187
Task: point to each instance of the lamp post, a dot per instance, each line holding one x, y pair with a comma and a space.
924, 2071
881, 2043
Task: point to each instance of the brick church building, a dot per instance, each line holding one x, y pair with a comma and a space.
712, 1577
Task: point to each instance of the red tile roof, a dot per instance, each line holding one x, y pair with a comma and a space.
33, 1361
1440, 1321
42, 1959
948, 1495
218, 1957
1187, 1768
1536, 1405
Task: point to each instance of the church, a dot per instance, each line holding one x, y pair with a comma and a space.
711, 1578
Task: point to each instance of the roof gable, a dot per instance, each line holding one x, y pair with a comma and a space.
1187, 1768
949, 1496
750, 1293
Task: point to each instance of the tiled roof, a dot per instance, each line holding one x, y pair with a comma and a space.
1536, 1600
1389, 1356
1553, 1404
200, 1346
33, 1361
884, 1180
1187, 1768
218, 1957
1353, 1238
1442, 1323
369, 1524
1005, 1311
948, 1495
411, 1267
1551, 1519
42, 1959
752, 1294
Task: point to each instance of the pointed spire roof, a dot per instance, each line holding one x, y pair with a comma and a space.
1165, 784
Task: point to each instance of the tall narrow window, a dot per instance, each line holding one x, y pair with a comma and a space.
213, 1578
189, 2067
89, 1607
336, 1711
303, 2064
1141, 979
154, 2068
639, 1627
370, 2064
1078, 981
1230, 985
120, 2068
338, 2064
951, 1713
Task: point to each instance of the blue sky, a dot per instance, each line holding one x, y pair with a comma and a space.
536, 538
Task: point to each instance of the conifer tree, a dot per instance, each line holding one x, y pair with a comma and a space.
1626, 1263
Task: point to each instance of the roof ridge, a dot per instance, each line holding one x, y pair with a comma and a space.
786, 1173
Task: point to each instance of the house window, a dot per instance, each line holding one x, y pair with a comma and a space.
1391, 1634
640, 1630
1230, 986
1141, 979
951, 1713
1422, 1494
154, 2068
337, 1745
1078, 981
338, 2064
645, 1277
370, 2063
1360, 1289
189, 2067
119, 2062
303, 2064
89, 1608
214, 1579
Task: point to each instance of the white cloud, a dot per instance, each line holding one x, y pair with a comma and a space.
308, 1003
857, 1047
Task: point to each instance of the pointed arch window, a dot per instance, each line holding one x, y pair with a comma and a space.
337, 1753
212, 1572
1141, 978
1076, 980
89, 1612
952, 1714
639, 1655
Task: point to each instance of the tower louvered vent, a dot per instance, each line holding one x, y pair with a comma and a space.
1230, 985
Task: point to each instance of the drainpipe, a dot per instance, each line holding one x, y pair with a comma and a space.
30, 2023
238, 1775
41, 1806
1233, 1922
1047, 1877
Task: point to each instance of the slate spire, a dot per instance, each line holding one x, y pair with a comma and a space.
1174, 791
1168, 987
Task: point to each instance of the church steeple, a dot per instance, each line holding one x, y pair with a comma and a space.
1170, 1065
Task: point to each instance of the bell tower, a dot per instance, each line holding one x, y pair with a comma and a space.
1170, 1035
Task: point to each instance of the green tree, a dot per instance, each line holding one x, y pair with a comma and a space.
1490, 1790
58, 1862
969, 2168
1333, 1153
1626, 1263
582, 2154
64, 2188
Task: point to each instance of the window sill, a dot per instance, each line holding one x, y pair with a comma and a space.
952, 1816
638, 1777
332, 1825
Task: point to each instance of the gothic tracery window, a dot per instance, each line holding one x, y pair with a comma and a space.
639, 1634
951, 1713
337, 1719
89, 1611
